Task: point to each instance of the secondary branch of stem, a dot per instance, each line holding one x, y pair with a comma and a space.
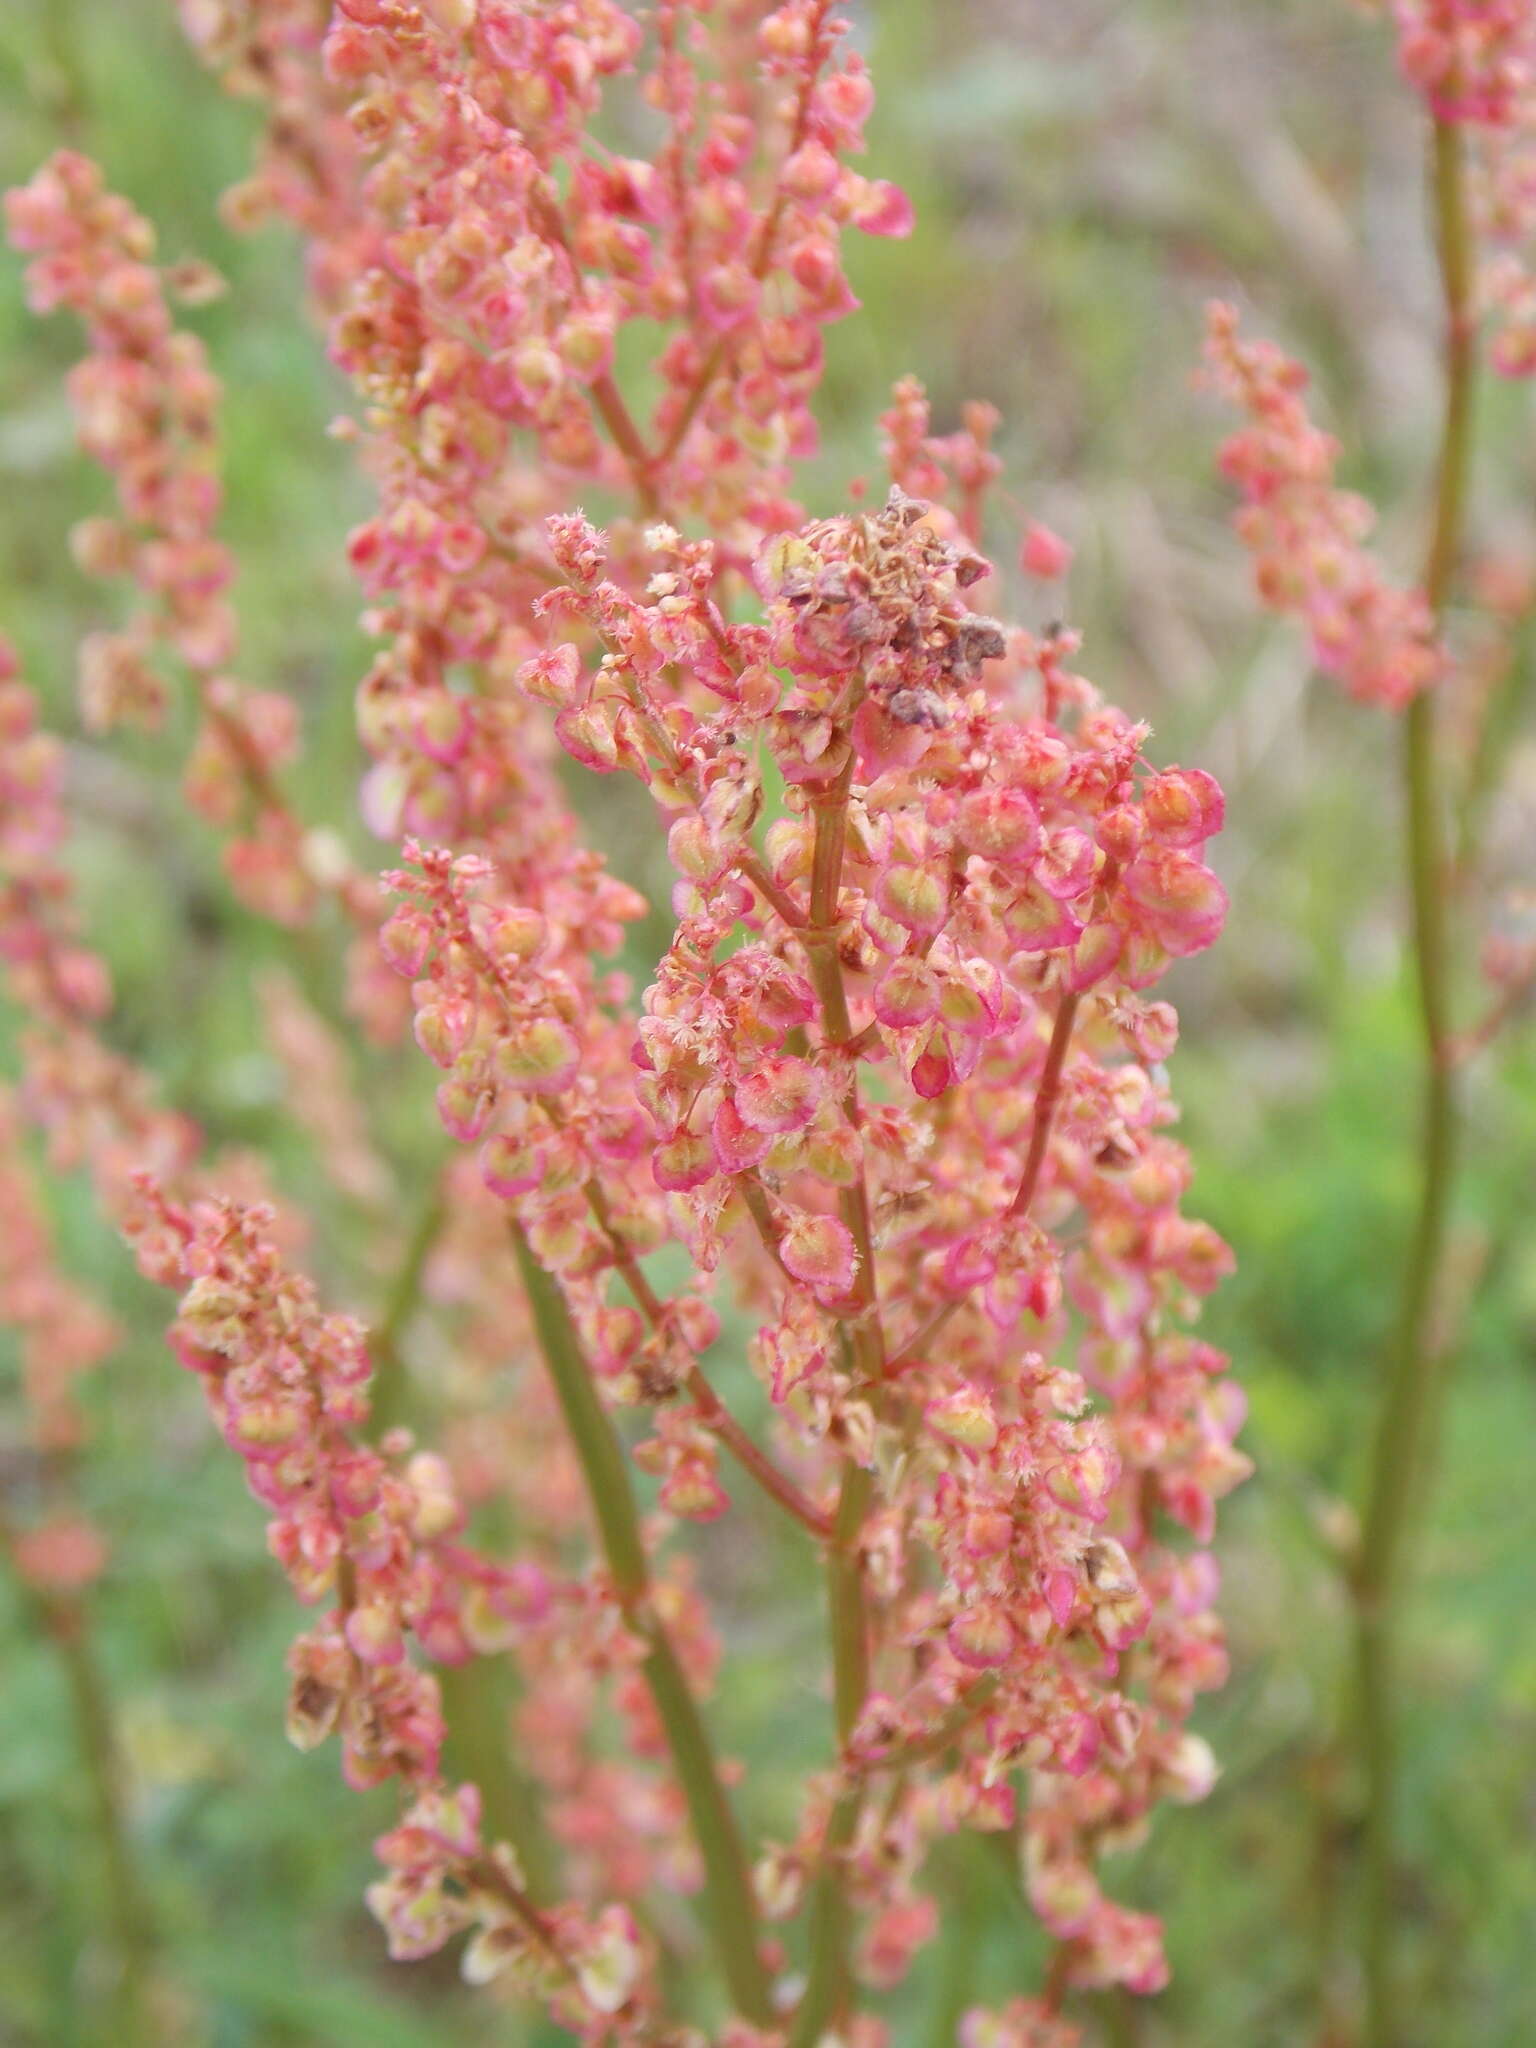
1047, 1097
712, 1411
390, 1385
729, 1905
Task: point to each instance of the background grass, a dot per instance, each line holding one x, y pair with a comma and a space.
1085, 178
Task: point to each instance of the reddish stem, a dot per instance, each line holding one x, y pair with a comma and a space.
1047, 1101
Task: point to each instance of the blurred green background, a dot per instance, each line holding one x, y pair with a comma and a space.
1085, 178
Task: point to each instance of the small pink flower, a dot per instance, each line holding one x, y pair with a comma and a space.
963, 1417
60, 1556
780, 1095
1044, 554
982, 1637
820, 1251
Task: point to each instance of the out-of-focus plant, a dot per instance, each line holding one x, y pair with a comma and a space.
1397, 648
891, 1113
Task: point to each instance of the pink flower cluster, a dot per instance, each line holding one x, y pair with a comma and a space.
146, 406
1471, 59
895, 1089
1307, 536
308, 161
61, 1335
957, 884
501, 292
378, 1531
441, 1880
286, 1384
1475, 63
95, 1107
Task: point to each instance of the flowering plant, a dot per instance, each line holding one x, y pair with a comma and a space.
1401, 650
890, 1114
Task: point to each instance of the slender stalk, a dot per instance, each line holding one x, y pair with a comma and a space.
1058, 1977
820, 939
1395, 1487
389, 1386
729, 1905
712, 1411
953, 1725
1048, 1095
754, 870
476, 1707
831, 1918
488, 1875
847, 1611
127, 1903
762, 250
609, 401
963, 1926
845, 1598
1046, 1099
777, 1484
1322, 1879
63, 1621
1122, 2019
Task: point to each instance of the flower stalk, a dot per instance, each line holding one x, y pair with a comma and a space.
832, 1064
127, 1901
847, 1611
391, 1388
61, 1619
729, 1905
1400, 1455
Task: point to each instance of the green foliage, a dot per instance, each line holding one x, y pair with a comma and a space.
1058, 269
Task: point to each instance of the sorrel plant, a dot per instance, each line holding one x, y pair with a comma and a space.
1396, 648
894, 1097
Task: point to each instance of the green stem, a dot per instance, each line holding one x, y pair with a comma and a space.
1395, 1490
712, 1411
1122, 2019
728, 1900
831, 1919
67, 88
962, 1945
1497, 724
845, 1600
1322, 1879
389, 1388
98, 1743
830, 1916
477, 1702
63, 1621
